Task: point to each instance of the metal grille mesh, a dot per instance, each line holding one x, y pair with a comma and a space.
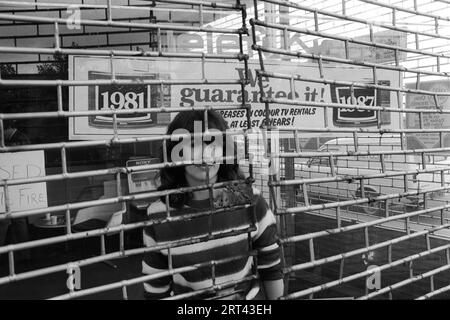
365, 215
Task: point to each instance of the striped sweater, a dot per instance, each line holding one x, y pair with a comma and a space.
263, 239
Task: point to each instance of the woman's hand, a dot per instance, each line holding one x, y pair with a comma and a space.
274, 289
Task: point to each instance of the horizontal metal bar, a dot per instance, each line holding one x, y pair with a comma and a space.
85, 83
351, 178
112, 141
73, 114
405, 282
397, 8
116, 229
355, 276
138, 280
367, 200
117, 24
212, 4
110, 171
114, 200
61, 5
300, 54
356, 252
213, 288
119, 53
353, 19
434, 293
359, 85
363, 225
93, 260
310, 154
374, 44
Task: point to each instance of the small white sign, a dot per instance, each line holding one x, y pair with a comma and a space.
22, 165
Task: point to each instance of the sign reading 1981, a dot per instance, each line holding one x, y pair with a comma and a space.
119, 97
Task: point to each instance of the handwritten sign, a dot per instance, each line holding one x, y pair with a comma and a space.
23, 165
434, 120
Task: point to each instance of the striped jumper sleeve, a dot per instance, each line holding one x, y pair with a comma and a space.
265, 241
155, 261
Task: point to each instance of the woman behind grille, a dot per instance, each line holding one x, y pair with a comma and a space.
234, 249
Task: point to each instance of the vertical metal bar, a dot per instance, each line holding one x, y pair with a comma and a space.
397, 57
161, 94
320, 63
407, 226
64, 171
115, 127
355, 140
124, 292
12, 270
102, 245
394, 19
57, 42
311, 249
59, 95
386, 207
158, 33
389, 255
383, 163
338, 216
213, 272
297, 141
424, 160
420, 120
341, 268
109, 11
255, 8
316, 21
200, 13
375, 78
305, 194
432, 283
7, 198
122, 240
292, 86
286, 39
366, 237
347, 50
2, 134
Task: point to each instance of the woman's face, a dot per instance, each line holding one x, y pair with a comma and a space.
197, 173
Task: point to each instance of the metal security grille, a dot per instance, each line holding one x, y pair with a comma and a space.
350, 239
362, 201
102, 22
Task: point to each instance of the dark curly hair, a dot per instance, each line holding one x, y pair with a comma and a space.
174, 177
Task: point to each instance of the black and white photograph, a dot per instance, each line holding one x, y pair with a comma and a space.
249, 150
